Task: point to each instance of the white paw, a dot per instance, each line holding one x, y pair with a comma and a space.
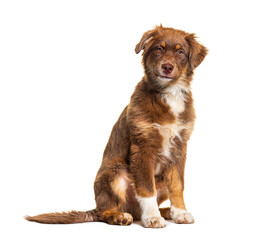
181, 216
150, 212
154, 222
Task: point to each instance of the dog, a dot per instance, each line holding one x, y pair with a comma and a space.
144, 159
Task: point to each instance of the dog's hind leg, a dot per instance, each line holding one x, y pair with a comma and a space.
110, 194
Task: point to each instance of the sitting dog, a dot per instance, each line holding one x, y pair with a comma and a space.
144, 160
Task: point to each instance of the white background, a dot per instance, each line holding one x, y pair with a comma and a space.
67, 70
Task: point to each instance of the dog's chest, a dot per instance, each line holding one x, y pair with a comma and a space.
169, 132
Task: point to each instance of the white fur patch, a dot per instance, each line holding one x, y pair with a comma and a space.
168, 133
181, 215
157, 169
175, 98
149, 207
150, 216
120, 184
175, 94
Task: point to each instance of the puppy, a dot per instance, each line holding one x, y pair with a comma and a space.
144, 160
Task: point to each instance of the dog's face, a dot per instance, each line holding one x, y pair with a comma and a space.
170, 56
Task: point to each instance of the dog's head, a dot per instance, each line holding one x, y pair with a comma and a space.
170, 56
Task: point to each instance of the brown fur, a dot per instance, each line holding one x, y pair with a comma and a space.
133, 151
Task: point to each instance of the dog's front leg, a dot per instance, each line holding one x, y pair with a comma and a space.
175, 184
142, 169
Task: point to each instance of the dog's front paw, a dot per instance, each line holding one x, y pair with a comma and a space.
154, 222
181, 216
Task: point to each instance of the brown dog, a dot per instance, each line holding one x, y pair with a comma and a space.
143, 162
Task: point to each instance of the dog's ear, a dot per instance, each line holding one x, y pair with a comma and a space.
197, 51
146, 37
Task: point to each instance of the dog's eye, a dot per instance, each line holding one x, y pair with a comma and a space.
159, 49
180, 52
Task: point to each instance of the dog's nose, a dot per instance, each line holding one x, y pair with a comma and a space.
167, 68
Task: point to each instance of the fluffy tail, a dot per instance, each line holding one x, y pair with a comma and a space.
65, 217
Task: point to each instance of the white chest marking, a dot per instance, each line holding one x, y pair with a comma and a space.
168, 133
175, 98
176, 103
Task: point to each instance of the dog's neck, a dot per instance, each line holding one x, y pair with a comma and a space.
178, 90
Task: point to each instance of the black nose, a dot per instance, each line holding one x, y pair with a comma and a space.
167, 68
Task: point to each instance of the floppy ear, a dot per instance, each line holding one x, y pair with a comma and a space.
146, 37
197, 51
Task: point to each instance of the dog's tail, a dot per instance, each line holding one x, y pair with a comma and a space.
65, 217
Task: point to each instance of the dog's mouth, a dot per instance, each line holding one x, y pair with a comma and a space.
165, 78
